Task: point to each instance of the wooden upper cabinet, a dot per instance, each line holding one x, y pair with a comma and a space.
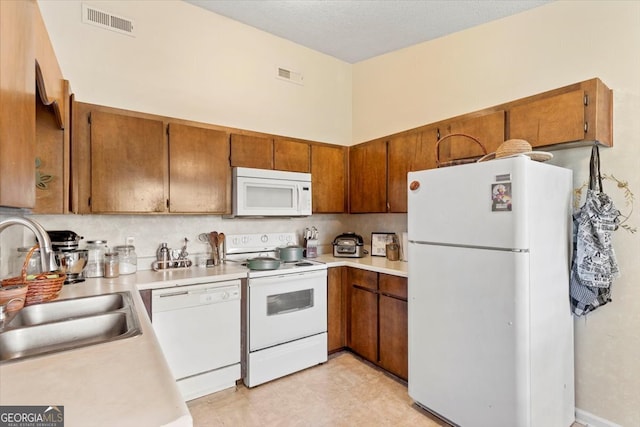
17, 104
52, 127
425, 155
407, 152
52, 160
580, 112
199, 172
128, 164
488, 128
328, 178
251, 151
549, 121
368, 177
52, 88
293, 156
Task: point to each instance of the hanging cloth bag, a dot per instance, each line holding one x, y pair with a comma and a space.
594, 262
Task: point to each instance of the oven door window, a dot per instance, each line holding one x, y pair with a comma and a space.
289, 302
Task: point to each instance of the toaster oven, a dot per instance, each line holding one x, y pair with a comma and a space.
348, 245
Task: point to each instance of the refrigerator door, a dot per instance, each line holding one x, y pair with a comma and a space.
479, 204
469, 334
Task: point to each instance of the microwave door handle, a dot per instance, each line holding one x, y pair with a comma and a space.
298, 203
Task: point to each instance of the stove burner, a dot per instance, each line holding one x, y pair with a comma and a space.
303, 264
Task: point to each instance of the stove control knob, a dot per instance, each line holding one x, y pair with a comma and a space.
264, 238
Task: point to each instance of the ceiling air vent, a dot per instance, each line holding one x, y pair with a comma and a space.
108, 21
290, 76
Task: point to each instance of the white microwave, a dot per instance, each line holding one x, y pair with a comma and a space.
263, 192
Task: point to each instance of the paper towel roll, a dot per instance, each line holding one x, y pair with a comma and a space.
404, 246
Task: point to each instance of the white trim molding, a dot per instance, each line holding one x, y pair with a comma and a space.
590, 420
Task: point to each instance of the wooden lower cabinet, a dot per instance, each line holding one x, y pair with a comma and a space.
363, 336
392, 336
336, 309
377, 319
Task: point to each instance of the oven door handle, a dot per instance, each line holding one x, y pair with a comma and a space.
280, 278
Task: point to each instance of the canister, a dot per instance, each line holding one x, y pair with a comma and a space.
111, 265
393, 251
128, 258
95, 258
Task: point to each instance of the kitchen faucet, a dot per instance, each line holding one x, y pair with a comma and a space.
47, 255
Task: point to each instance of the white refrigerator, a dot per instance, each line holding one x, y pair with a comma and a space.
490, 324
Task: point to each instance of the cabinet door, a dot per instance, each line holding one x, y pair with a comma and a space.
393, 336
363, 333
328, 178
52, 164
199, 172
291, 156
336, 308
363, 313
407, 152
251, 151
551, 120
488, 128
17, 104
425, 155
128, 164
368, 177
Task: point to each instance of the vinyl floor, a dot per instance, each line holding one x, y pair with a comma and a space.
345, 391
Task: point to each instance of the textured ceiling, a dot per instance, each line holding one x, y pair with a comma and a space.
355, 30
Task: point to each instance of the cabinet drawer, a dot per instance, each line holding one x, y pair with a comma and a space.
363, 278
393, 285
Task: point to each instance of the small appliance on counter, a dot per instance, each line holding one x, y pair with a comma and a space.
349, 245
71, 260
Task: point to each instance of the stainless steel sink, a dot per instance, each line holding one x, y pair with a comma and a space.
68, 324
65, 309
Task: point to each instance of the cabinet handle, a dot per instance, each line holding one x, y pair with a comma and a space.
414, 185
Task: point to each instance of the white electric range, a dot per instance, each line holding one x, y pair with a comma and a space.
284, 311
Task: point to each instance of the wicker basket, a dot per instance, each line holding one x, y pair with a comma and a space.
41, 288
440, 164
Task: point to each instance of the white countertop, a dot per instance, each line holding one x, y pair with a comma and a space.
127, 382
371, 263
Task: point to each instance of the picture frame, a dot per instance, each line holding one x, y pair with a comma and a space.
379, 242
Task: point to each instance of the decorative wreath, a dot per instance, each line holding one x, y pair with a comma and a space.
628, 197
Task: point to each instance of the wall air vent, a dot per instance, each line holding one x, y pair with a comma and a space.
108, 21
289, 76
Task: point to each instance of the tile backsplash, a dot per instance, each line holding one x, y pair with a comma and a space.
149, 231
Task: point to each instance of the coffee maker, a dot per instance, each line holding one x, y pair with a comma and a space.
70, 259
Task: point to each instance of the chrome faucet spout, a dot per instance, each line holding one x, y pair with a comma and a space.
47, 255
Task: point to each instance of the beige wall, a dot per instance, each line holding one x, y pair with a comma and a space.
188, 63
548, 47
196, 65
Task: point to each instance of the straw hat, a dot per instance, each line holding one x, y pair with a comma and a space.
516, 147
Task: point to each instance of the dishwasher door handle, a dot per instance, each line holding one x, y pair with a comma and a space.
174, 294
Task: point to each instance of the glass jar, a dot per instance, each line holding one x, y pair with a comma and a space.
95, 258
111, 264
33, 267
128, 258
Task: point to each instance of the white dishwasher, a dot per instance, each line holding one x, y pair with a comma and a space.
198, 327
